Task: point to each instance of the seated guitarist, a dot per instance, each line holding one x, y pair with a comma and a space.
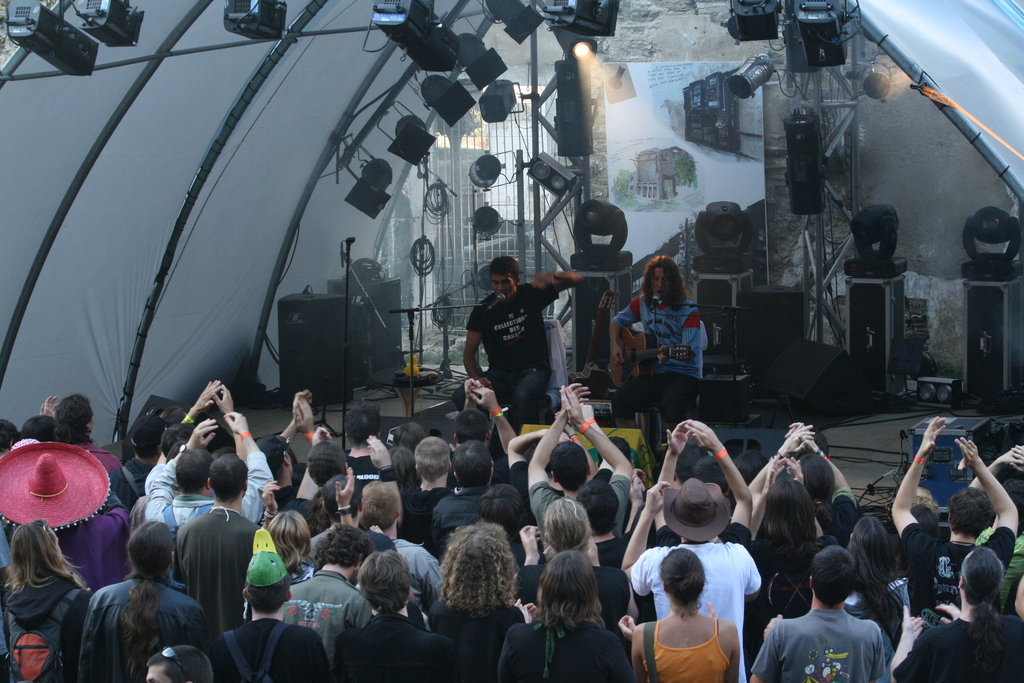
666, 311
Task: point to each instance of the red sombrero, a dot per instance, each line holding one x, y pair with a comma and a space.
53, 481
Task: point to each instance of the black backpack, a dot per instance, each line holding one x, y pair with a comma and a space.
248, 675
35, 654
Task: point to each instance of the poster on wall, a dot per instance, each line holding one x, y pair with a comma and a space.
686, 165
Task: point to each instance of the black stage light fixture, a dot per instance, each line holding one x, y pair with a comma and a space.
754, 20
586, 17
821, 31
483, 277
575, 45
369, 194
596, 218
39, 29
751, 75
486, 222
112, 22
520, 21
481, 64
992, 225
723, 232
939, 392
449, 99
498, 101
553, 176
485, 171
412, 24
259, 19
875, 225
877, 80
412, 141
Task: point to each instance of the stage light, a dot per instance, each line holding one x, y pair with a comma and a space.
39, 29
520, 21
723, 232
259, 19
992, 225
596, 218
821, 31
583, 50
877, 79
412, 24
553, 176
939, 392
498, 101
754, 20
575, 45
875, 224
481, 64
412, 141
369, 194
485, 171
449, 99
486, 222
751, 75
586, 17
483, 278
112, 22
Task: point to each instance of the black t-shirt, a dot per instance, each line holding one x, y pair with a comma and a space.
935, 567
518, 476
845, 513
943, 654
613, 591
364, 470
299, 655
513, 331
418, 513
611, 552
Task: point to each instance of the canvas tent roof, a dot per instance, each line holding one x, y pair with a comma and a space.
98, 172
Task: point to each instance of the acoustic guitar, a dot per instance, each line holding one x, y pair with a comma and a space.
593, 377
640, 350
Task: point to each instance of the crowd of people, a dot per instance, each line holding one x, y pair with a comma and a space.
434, 561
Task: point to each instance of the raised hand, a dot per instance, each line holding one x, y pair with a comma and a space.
223, 400
205, 399
203, 434
267, 495
48, 407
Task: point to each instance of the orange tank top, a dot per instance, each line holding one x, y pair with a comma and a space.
705, 663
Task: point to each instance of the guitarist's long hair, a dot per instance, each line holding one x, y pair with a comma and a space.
676, 293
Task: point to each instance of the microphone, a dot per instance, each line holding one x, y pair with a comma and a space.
497, 300
350, 240
656, 300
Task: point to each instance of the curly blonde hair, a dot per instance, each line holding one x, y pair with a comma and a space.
478, 574
566, 527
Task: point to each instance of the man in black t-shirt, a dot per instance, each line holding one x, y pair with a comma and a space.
510, 324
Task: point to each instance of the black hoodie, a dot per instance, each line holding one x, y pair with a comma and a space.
31, 606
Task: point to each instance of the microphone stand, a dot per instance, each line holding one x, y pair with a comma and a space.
732, 311
344, 357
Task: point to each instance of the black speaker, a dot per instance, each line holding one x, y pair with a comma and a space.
588, 298
719, 290
376, 336
311, 332
572, 101
874, 325
724, 398
439, 427
823, 378
776, 320
768, 441
992, 353
803, 164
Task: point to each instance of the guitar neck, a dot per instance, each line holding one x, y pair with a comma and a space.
595, 338
641, 355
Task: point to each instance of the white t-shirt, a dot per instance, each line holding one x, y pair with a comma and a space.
730, 575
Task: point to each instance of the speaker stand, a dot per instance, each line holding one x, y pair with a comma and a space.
782, 400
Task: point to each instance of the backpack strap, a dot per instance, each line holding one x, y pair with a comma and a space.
236, 654
268, 652
129, 477
652, 668
170, 520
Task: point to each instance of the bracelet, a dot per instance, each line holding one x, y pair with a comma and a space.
919, 460
721, 454
574, 438
497, 411
586, 425
268, 515
344, 512
387, 474
189, 419
309, 437
245, 435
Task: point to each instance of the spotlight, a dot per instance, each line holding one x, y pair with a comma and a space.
875, 224
412, 141
586, 17
369, 194
992, 226
485, 171
549, 173
449, 99
520, 21
486, 222
113, 22
600, 219
821, 29
411, 24
482, 65
877, 80
754, 20
498, 101
580, 47
751, 75
723, 232
257, 19
939, 392
42, 31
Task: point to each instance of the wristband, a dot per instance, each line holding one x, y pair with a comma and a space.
587, 425
309, 437
387, 474
344, 512
497, 411
189, 419
919, 460
268, 514
574, 438
244, 435
721, 454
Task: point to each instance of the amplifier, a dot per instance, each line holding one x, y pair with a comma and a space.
940, 475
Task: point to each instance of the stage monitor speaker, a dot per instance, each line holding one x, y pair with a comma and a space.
992, 351
724, 398
803, 164
776, 320
823, 378
588, 297
768, 441
439, 427
874, 326
572, 104
311, 333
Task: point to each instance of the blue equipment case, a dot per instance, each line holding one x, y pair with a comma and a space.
941, 475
